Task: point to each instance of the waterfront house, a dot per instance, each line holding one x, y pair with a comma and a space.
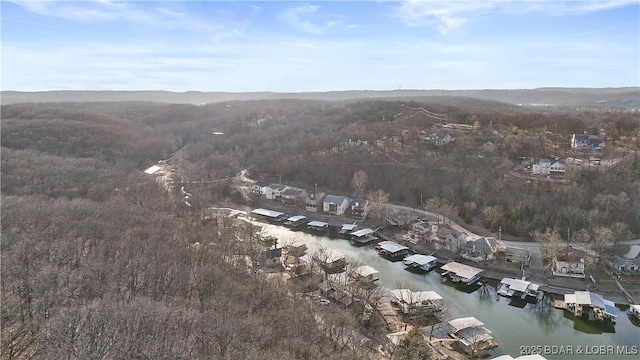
336, 292
274, 191
392, 250
591, 306
411, 302
365, 273
359, 209
421, 262
313, 202
260, 187
461, 273
567, 268
623, 265
471, 333
480, 249
292, 196
335, 205
515, 287
332, 261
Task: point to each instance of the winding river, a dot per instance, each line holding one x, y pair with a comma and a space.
519, 328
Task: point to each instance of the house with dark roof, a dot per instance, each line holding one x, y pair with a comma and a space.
292, 196
274, 191
336, 205
259, 187
623, 265
480, 249
584, 141
359, 208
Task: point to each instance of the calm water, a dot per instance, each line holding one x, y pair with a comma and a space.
518, 327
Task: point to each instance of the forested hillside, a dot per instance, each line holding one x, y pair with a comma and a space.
99, 261
95, 263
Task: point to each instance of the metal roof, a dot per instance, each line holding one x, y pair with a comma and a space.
391, 246
592, 299
318, 223
266, 212
363, 232
408, 296
152, 170
365, 270
349, 227
296, 218
335, 199
464, 271
519, 285
419, 259
464, 323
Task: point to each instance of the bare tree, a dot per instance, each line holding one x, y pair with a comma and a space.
603, 236
380, 209
441, 311
359, 182
550, 243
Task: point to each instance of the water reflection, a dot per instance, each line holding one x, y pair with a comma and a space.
535, 324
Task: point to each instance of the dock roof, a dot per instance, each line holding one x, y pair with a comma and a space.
365, 270
465, 323
461, 270
267, 213
349, 227
296, 218
391, 246
318, 223
419, 259
408, 296
363, 232
592, 299
519, 285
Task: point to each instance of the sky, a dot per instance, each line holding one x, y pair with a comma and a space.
287, 46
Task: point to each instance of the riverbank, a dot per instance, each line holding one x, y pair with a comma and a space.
495, 269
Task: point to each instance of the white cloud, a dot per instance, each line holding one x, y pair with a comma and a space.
164, 15
295, 17
447, 16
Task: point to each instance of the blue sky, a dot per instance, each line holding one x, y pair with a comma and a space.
289, 46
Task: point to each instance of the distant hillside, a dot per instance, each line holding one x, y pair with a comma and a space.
606, 97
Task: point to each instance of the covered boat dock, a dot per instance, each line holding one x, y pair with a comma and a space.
363, 236
392, 250
420, 261
461, 273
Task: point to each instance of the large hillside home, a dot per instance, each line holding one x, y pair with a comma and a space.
584, 141
548, 166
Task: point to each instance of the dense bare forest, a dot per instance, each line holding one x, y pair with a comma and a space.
99, 262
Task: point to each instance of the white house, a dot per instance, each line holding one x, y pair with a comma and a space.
274, 191
335, 205
548, 166
260, 187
